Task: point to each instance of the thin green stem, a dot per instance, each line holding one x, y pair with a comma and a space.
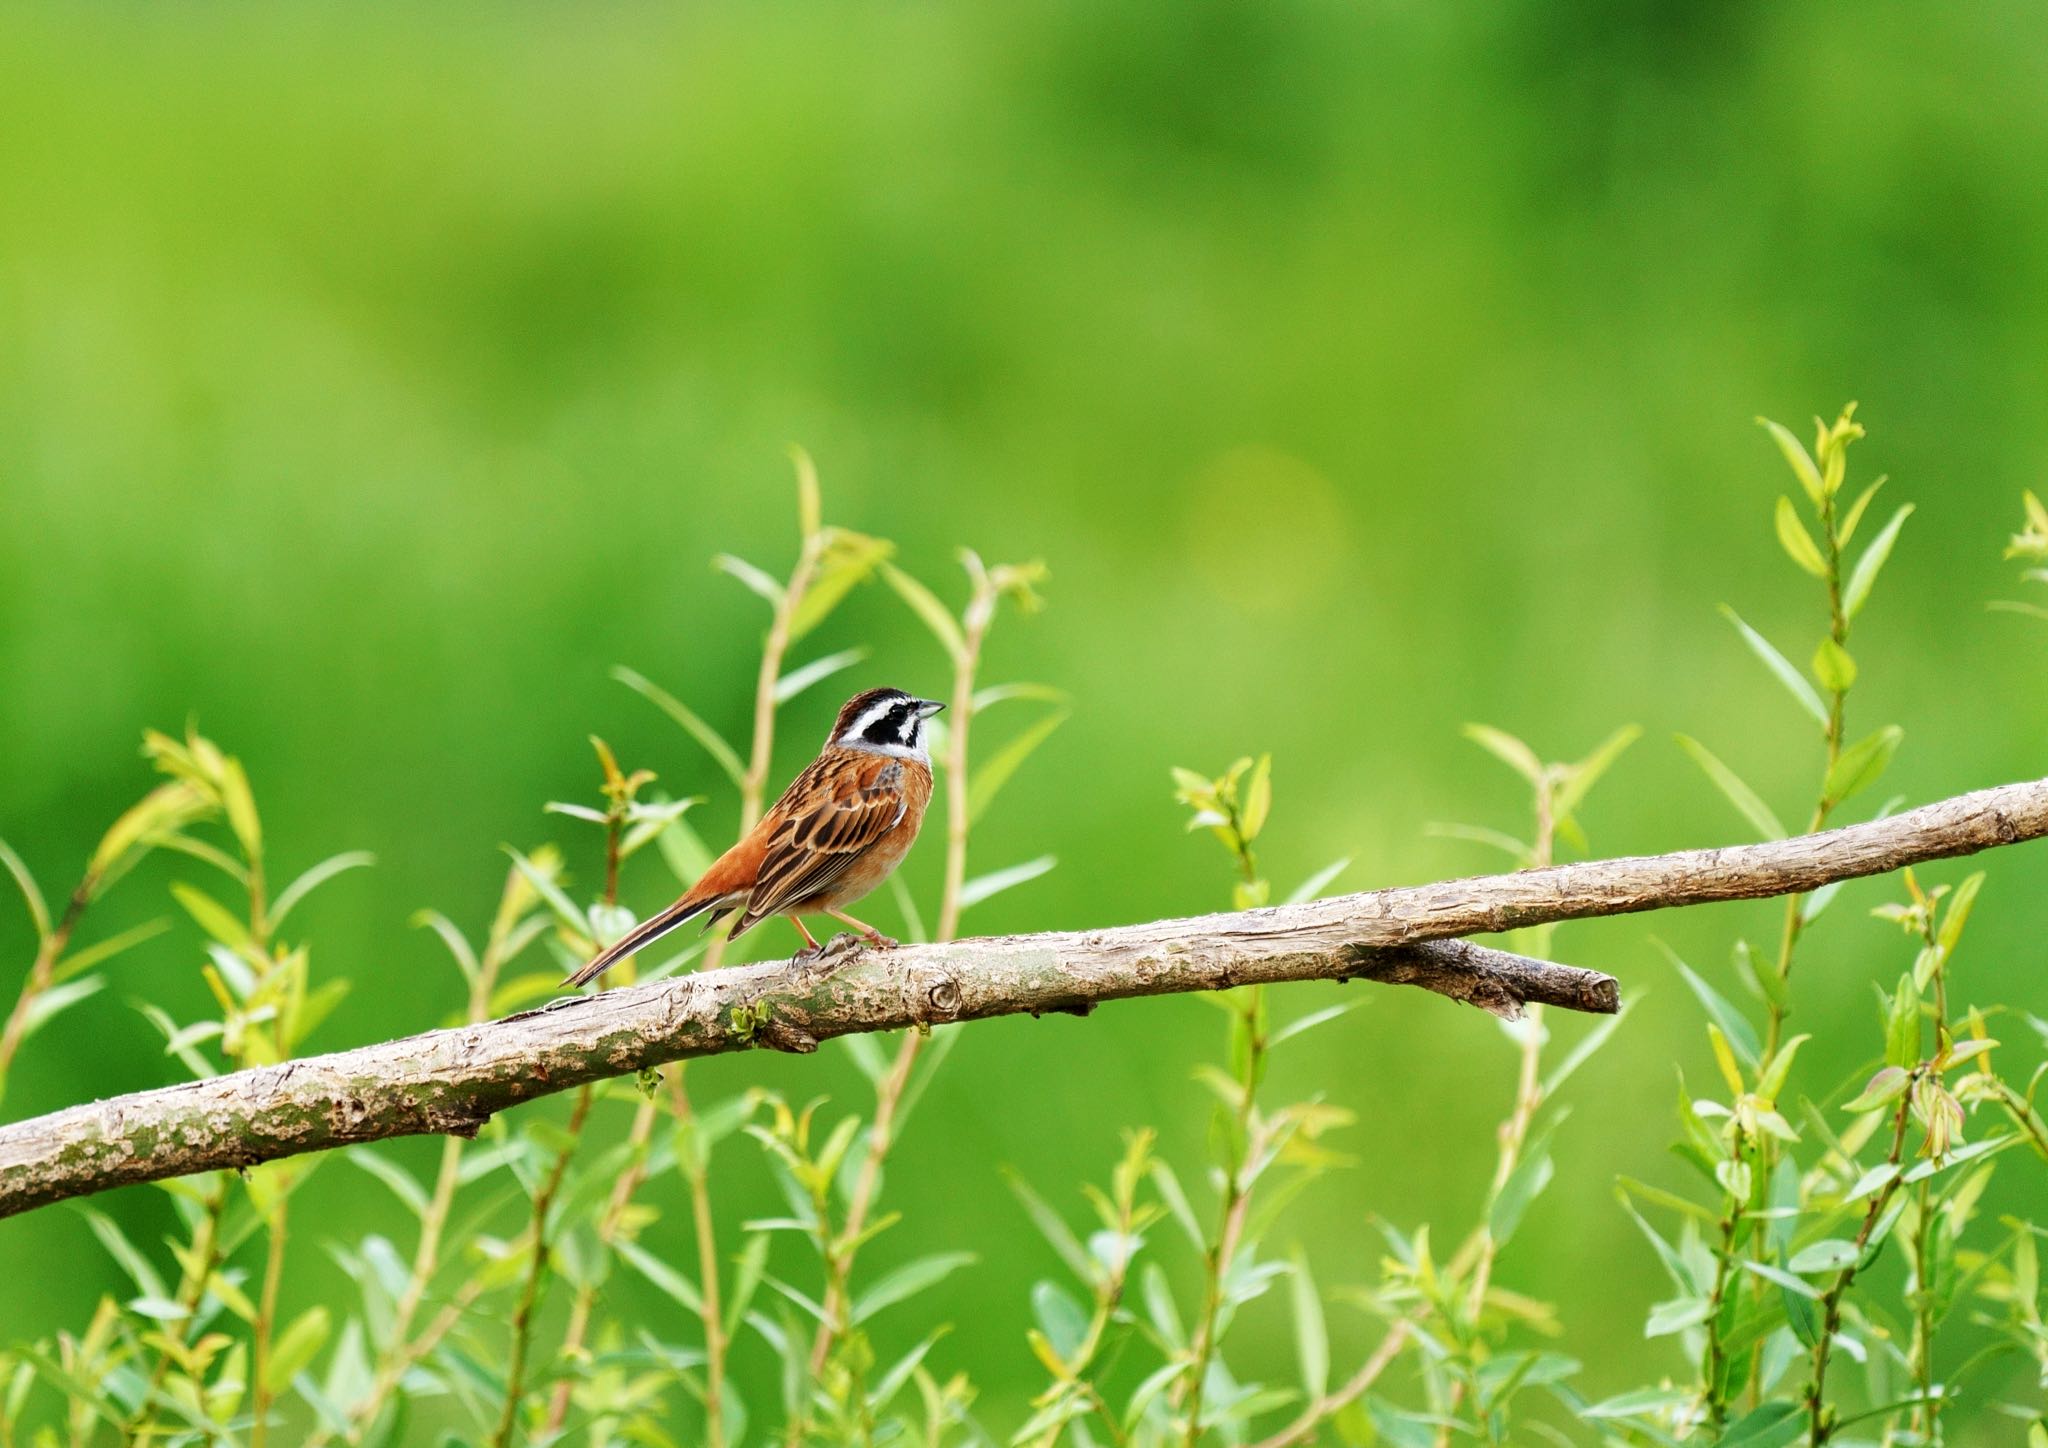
1819, 1426
528, 1305
1837, 702
1216, 1266
1714, 1353
266, 1327
204, 1262
400, 1350
49, 951
712, 1314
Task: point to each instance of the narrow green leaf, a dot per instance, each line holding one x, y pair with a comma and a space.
1638, 1402
850, 560
1586, 773
713, 742
1854, 516
996, 770
1587, 1045
799, 679
906, 1281
313, 879
140, 1271
867, 1056
1258, 798
295, 1349
1794, 682
1771, 1425
1829, 1255
212, 916
1311, 1334
1315, 884
1957, 915
1762, 973
1002, 693
239, 802
1054, 1230
1479, 835
913, 918
80, 961
393, 1176
1887, 1086
1799, 1315
1795, 454
565, 909
48, 1004
1522, 1187
925, 604
1310, 1021
996, 881
1781, 1277
660, 1274
1676, 1316
1864, 576
1777, 1070
753, 1262
810, 503
1741, 1035
38, 911
684, 850
1796, 541
441, 925
1862, 763
181, 1042
1731, 785
1507, 749
756, 580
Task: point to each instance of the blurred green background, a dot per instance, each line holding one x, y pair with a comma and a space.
373, 380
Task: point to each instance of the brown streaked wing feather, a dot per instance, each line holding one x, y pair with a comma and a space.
838, 807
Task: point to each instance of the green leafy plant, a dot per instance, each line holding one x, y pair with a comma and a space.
1777, 1268
2031, 544
1837, 1276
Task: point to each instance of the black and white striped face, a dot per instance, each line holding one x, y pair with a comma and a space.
886, 721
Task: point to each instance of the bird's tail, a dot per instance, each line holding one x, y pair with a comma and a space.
639, 937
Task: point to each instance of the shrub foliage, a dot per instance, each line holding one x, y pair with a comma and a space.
1831, 1236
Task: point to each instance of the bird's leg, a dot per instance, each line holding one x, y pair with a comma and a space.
811, 946
868, 933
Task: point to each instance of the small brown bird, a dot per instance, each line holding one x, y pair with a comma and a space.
837, 832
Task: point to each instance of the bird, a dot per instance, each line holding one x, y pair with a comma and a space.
837, 832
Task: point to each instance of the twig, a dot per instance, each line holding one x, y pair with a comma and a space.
1328, 1406
455, 1080
1819, 1427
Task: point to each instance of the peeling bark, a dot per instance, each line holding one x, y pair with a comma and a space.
452, 1081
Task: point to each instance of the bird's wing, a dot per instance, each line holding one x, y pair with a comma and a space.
835, 810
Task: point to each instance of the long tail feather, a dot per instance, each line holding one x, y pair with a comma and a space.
639, 937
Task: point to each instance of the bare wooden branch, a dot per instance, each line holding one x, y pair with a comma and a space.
455, 1080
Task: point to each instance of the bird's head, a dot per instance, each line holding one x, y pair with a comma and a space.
886, 721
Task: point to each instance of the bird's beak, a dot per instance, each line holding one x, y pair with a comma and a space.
928, 707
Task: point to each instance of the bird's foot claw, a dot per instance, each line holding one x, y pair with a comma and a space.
821, 961
878, 941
